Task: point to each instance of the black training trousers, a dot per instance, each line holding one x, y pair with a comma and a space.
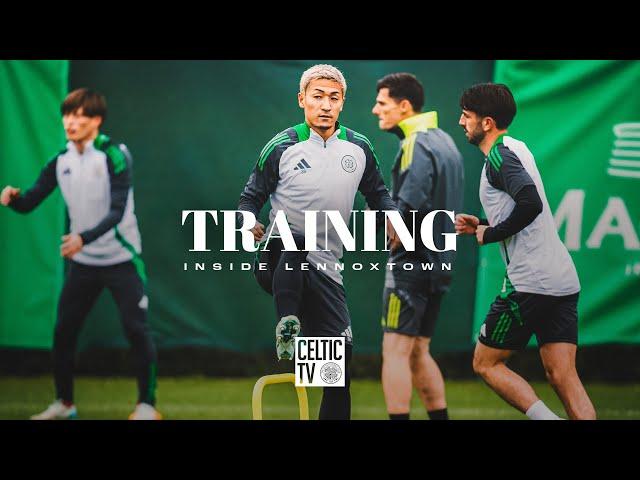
82, 286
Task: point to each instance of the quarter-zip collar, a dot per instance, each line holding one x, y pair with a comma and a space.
88, 147
315, 136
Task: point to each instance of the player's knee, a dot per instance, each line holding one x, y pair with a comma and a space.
557, 375
396, 349
135, 331
420, 350
481, 365
477, 366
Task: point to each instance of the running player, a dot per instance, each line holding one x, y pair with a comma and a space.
540, 288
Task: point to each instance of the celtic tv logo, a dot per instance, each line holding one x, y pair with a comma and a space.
349, 164
625, 156
319, 361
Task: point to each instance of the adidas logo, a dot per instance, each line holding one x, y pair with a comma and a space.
347, 333
144, 303
303, 166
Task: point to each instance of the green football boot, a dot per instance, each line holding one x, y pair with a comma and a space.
286, 331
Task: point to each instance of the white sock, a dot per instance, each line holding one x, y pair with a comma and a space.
539, 411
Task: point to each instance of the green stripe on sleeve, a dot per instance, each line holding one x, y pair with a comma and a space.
494, 161
271, 142
359, 136
264, 157
498, 157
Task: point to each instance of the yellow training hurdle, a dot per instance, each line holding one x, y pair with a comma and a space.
256, 400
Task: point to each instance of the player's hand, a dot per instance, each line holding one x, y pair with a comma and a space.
394, 239
258, 231
480, 233
8, 194
71, 244
466, 224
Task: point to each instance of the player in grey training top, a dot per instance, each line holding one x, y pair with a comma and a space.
537, 260
300, 170
316, 165
540, 289
103, 246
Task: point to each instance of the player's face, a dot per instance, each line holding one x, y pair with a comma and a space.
322, 103
471, 123
78, 127
388, 111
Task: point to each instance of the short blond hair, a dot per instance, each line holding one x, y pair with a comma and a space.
325, 72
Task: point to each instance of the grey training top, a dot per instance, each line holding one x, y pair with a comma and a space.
537, 260
96, 187
299, 171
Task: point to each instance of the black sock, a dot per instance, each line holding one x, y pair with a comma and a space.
398, 416
438, 414
336, 401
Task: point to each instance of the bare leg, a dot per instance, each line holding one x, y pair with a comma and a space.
489, 363
559, 360
427, 377
396, 372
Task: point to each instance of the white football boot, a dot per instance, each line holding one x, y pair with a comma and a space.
144, 411
57, 411
286, 331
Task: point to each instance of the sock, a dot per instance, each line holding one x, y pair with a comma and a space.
539, 411
441, 414
398, 416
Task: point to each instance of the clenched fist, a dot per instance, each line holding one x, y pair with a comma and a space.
71, 244
258, 231
8, 194
466, 224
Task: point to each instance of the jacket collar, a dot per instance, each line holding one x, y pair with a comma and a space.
417, 123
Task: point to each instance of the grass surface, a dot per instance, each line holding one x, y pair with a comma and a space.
230, 399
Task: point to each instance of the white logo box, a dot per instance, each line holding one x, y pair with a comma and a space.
319, 361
